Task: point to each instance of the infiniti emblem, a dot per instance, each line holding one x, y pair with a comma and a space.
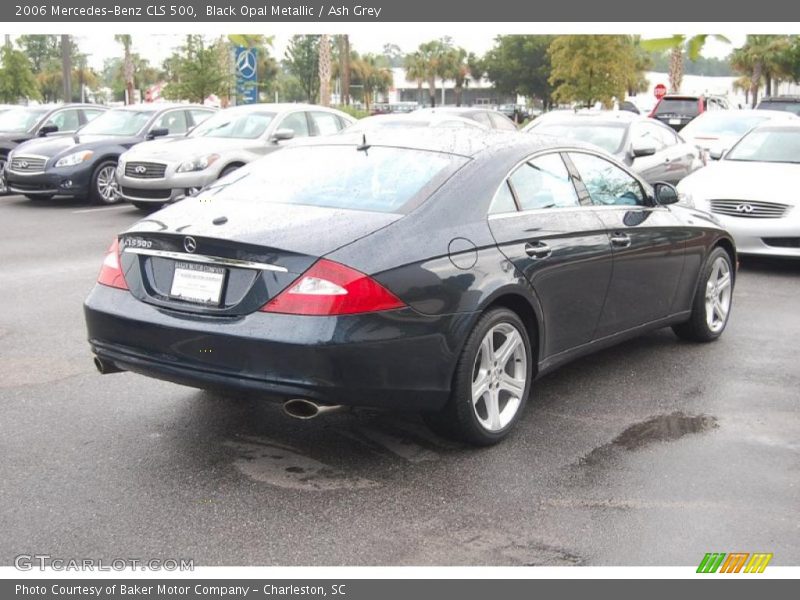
141, 169
189, 243
744, 208
23, 164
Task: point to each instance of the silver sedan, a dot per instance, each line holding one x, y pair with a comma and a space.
751, 190
155, 173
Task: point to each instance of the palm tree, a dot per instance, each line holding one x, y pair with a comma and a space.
455, 67
680, 46
127, 66
325, 70
762, 57
66, 66
374, 79
343, 42
434, 57
415, 71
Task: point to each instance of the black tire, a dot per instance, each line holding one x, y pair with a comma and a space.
39, 197
697, 328
459, 419
148, 207
96, 194
228, 170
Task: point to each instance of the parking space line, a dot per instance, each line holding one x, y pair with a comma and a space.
87, 210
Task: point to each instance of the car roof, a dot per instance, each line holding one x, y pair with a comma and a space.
470, 143
780, 99
733, 112
779, 125
159, 106
454, 109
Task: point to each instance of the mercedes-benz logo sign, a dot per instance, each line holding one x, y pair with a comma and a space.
189, 243
246, 64
744, 208
141, 169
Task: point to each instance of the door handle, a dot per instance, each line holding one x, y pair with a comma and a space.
538, 250
620, 240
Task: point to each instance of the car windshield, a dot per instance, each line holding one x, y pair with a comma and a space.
608, 136
717, 125
792, 107
378, 179
678, 106
235, 124
118, 122
768, 145
19, 120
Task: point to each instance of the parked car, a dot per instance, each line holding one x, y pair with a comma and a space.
783, 103
751, 190
435, 270
404, 121
84, 165
23, 123
677, 110
485, 116
518, 113
154, 173
651, 149
716, 131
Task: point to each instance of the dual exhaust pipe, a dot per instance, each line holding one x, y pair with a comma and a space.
298, 408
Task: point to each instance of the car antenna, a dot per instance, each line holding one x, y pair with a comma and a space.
363, 145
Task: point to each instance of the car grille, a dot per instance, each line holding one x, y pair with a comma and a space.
27, 164
782, 242
145, 170
749, 209
146, 194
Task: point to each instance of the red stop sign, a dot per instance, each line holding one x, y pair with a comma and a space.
660, 91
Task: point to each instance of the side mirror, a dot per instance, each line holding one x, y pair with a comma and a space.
639, 150
281, 135
45, 129
665, 193
157, 132
716, 154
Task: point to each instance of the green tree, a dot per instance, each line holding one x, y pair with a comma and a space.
455, 67
591, 68
371, 76
416, 71
127, 66
764, 59
16, 76
520, 65
433, 57
679, 46
302, 61
198, 70
41, 50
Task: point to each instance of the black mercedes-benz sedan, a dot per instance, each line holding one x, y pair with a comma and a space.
439, 271
84, 165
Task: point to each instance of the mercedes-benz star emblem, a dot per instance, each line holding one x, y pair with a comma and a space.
189, 243
246, 63
744, 208
141, 169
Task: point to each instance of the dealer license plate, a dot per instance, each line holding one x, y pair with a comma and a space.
197, 283
674, 121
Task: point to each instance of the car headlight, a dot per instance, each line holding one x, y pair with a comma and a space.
198, 163
74, 159
686, 199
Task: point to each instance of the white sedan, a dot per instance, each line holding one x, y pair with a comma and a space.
752, 190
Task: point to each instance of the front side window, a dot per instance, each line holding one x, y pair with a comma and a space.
245, 125
544, 182
297, 122
174, 121
606, 183
646, 134
90, 114
65, 120
121, 122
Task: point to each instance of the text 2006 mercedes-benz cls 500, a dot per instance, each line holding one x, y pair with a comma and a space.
435, 271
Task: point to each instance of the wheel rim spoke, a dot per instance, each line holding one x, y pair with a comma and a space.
718, 295
512, 385
504, 352
492, 401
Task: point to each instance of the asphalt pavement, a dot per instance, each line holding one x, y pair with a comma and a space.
651, 453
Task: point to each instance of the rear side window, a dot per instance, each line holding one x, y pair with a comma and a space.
606, 183
503, 201
501, 122
380, 179
544, 182
198, 115
481, 118
687, 107
326, 123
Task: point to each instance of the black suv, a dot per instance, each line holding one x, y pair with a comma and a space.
676, 110
785, 103
22, 123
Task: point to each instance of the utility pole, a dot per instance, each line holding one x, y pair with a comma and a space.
66, 67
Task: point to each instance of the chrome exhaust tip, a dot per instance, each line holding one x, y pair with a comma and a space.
300, 408
104, 367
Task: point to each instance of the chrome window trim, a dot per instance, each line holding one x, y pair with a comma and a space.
209, 260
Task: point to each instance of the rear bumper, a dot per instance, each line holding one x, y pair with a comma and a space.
66, 181
399, 360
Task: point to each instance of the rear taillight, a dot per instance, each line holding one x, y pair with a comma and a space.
329, 288
111, 271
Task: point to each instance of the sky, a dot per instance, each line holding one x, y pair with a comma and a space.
157, 47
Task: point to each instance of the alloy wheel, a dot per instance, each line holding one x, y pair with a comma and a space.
718, 294
3, 187
107, 186
499, 376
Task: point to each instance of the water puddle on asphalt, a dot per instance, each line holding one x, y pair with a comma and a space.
661, 428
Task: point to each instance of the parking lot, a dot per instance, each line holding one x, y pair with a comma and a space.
654, 452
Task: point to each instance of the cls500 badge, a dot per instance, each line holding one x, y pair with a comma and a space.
136, 242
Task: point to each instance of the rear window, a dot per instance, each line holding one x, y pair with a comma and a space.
379, 179
688, 107
792, 107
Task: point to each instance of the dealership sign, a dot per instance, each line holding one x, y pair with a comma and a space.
246, 61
